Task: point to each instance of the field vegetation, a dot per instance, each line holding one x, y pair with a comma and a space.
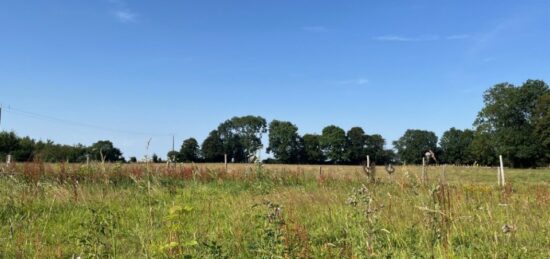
270, 211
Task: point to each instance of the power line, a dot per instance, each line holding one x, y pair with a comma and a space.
76, 123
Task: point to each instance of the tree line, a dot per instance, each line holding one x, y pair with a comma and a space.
514, 123
26, 149
240, 138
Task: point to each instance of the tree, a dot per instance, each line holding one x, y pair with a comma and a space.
284, 141
312, 153
481, 149
133, 159
241, 136
189, 151
173, 156
357, 145
105, 150
9, 142
333, 142
413, 144
455, 145
212, 148
509, 116
542, 124
155, 158
375, 149
25, 150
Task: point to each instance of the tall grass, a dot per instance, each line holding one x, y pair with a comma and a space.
269, 211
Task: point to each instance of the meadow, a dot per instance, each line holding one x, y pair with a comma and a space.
270, 211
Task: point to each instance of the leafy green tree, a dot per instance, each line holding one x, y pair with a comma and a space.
212, 148
482, 149
333, 142
9, 142
455, 145
312, 152
77, 153
173, 156
155, 158
509, 116
241, 136
375, 149
357, 145
413, 144
542, 124
133, 159
284, 141
25, 150
106, 150
190, 151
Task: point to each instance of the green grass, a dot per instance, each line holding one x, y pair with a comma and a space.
282, 211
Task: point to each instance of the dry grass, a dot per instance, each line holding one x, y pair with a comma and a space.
292, 211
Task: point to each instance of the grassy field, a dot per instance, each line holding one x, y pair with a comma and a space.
270, 211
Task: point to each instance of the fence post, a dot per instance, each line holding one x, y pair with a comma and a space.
8, 159
498, 176
423, 177
225, 162
368, 161
502, 171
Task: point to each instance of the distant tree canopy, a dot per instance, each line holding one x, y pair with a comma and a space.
455, 146
357, 145
333, 143
26, 149
212, 148
241, 136
284, 142
412, 146
104, 150
542, 124
312, 152
514, 123
189, 151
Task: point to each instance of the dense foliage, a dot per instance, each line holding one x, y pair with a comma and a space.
514, 123
26, 149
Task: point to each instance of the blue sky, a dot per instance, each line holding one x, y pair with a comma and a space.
129, 70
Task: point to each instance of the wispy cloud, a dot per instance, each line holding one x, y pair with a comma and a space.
356, 81
421, 38
122, 13
314, 28
126, 16
457, 37
405, 38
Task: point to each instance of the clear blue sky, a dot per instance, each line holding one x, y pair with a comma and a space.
162, 67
